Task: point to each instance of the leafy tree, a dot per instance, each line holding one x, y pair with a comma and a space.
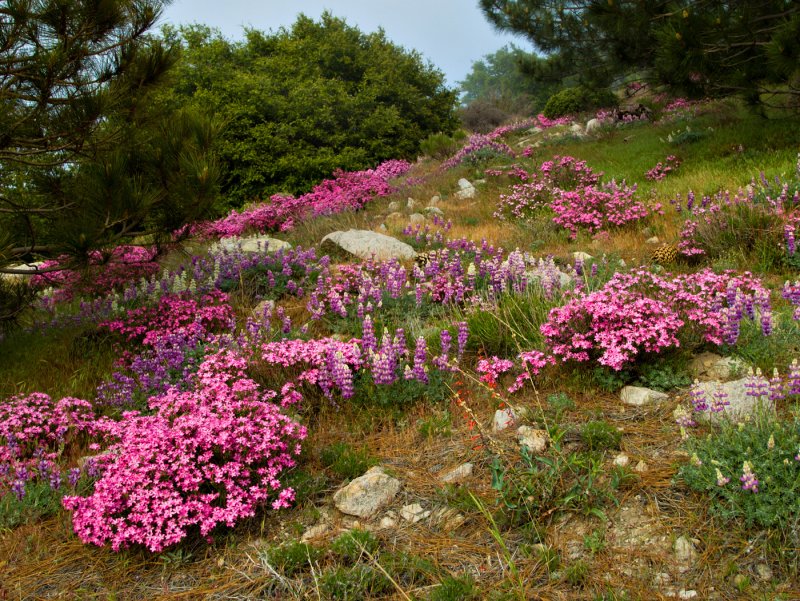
83, 162
302, 102
700, 46
503, 79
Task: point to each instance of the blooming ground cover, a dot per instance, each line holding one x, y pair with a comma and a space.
224, 362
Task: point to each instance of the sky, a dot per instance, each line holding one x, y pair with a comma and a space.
451, 34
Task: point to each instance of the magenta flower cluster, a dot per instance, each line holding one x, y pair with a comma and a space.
661, 170
641, 312
346, 191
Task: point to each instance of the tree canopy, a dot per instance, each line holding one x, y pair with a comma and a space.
84, 161
704, 47
304, 101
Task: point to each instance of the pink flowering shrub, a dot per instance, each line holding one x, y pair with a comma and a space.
661, 170
346, 191
597, 208
174, 311
105, 271
203, 458
641, 312
33, 433
478, 145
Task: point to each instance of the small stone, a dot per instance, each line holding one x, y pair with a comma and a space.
394, 206
388, 521
687, 594
382, 228
434, 211
622, 263
315, 532
641, 467
411, 203
465, 184
265, 306
622, 460
365, 495
764, 572
579, 255
638, 396
416, 218
685, 553
414, 513
503, 418
592, 125
396, 216
536, 440
434, 201
653, 240
661, 579
462, 472
466, 194
740, 581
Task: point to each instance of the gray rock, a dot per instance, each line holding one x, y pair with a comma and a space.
710, 366
764, 572
435, 200
576, 128
315, 532
367, 494
411, 203
414, 513
466, 189
393, 206
536, 440
581, 256
685, 553
416, 218
465, 184
365, 244
389, 521
638, 396
254, 244
265, 306
503, 418
653, 240
434, 211
622, 460
592, 125
740, 404
462, 472
382, 228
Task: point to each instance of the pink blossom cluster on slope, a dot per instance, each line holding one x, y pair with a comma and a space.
106, 271
33, 432
346, 191
174, 311
205, 457
641, 312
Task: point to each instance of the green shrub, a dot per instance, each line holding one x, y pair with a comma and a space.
577, 573
435, 426
771, 447
291, 558
350, 546
600, 435
455, 589
482, 117
663, 376
352, 584
40, 501
570, 101
441, 146
345, 461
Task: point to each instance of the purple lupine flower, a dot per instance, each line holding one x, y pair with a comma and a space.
383, 368
777, 391
748, 479
343, 376
368, 340
698, 396
55, 479
719, 401
794, 377
73, 476
420, 357
18, 488
463, 334
399, 343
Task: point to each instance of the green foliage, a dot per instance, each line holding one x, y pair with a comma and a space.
577, 573
560, 403
40, 501
403, 393
664, 376
351, 546
701, 48
292, 557
304, 101
570, 101
441, 146
482, 116
535, 487
770, 446
436, 426
595, 542
407, 570
775, 351
345, 462
600, 435
351, 584
455, 589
